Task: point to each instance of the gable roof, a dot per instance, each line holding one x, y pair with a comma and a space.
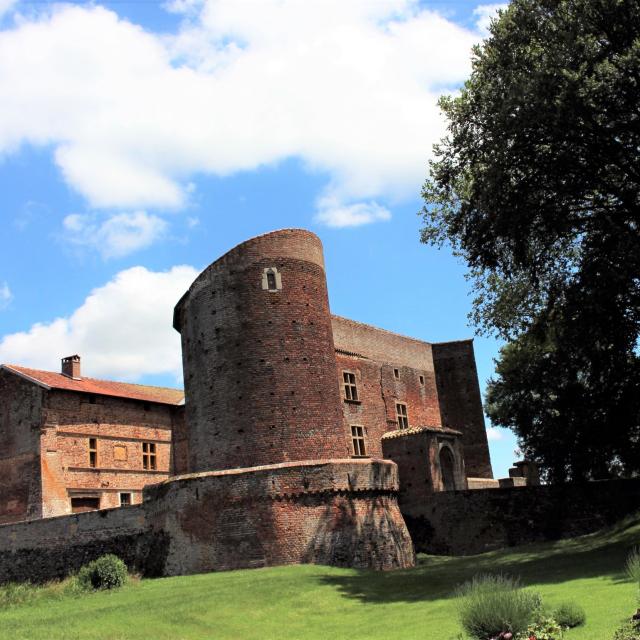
52, 380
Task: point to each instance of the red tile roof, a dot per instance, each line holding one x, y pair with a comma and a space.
53, 380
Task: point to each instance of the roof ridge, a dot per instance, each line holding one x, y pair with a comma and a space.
133, 384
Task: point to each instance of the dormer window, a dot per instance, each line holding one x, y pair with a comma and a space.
271, 279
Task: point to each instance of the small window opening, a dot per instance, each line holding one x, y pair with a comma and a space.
396, 374
271, 280
125, 499
421, 379
93, 452
79, 505
350, 387
149, 456
403, 416
357, 437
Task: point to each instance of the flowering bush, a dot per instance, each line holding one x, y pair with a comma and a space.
542, 629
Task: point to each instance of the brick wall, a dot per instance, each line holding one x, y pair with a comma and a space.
470, 522
335, 512
259, 365
461, 403
417, 454
20, 408
119, 426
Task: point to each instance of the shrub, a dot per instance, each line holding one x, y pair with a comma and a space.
107, 572
543, 629
628, 631
633, 565
569, 615
491, 606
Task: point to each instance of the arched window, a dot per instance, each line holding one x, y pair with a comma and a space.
447, 469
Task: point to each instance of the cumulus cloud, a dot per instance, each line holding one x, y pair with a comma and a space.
5, 295
334, 213
485, 13
494, 434
350, 88
118, 235
122, 330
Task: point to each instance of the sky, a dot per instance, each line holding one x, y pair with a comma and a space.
141, 139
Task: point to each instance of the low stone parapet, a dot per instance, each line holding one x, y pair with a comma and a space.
337, 512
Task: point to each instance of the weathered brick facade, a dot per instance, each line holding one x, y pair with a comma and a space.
275, 455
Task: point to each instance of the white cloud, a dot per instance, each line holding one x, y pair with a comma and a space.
118, 235
334, 213
348, 87
494, 434
122, 330
5, 295
485, 13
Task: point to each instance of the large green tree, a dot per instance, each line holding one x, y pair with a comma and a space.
537, 187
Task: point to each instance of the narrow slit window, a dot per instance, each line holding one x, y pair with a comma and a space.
350, 387
271, 280
396, 374
149, 456
403, 416
357, 437
93, 452
421, 379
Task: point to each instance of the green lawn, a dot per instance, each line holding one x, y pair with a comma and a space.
323, 602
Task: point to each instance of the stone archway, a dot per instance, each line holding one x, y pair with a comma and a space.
447, 469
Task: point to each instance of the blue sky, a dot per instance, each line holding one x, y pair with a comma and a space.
141, 140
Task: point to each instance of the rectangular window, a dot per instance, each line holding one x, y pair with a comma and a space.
149, 455
357, 436
93, 452
350, 388
78, 505
396, 374
403, 416
421, 379
125, 499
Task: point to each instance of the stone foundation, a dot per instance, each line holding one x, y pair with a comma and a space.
337, 512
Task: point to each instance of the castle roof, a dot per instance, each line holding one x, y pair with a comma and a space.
52, 380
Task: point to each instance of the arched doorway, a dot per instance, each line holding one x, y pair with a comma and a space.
447, 469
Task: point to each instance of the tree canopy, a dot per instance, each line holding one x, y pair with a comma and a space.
537, 187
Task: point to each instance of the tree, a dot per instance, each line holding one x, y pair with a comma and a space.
537, 187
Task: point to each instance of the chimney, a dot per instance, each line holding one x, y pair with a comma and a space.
71, 367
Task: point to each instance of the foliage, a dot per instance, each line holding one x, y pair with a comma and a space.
536, 187
543, 629
628, 631
569, 615
632, 565
492, 605
107, 572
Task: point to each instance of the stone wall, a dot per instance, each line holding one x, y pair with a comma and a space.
461, 403
20, 477
474, 521
339, 512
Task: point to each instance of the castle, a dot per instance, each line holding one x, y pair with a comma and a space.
300, 437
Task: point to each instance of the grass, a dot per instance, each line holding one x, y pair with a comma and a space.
305, 602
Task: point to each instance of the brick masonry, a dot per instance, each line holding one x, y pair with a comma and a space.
470, 522
338, 512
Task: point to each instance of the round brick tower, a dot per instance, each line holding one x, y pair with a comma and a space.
261, 383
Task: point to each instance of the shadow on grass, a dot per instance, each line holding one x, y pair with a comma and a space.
601, 554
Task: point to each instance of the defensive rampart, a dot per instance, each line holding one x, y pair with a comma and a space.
470, 522
336, 512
